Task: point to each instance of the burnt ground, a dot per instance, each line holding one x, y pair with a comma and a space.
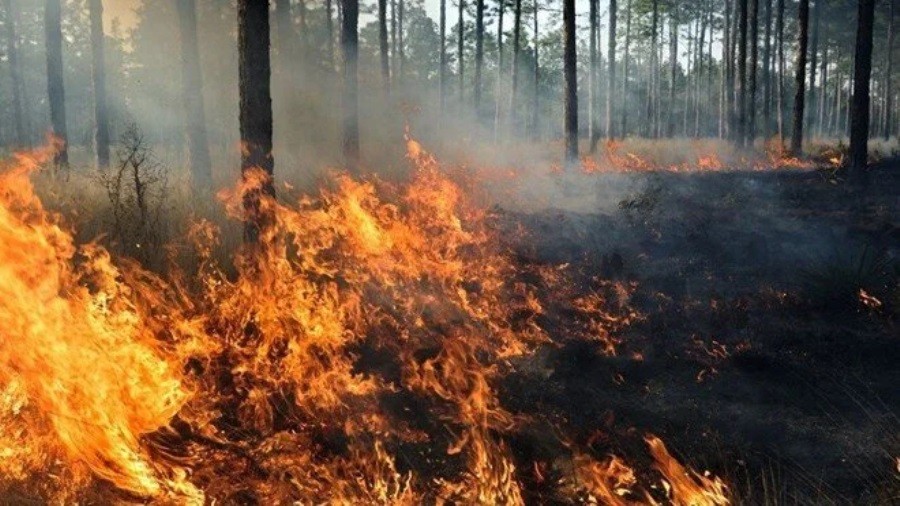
754, 355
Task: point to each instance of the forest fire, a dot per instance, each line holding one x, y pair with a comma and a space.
354, 357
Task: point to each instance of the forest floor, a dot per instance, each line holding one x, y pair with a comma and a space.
767, 347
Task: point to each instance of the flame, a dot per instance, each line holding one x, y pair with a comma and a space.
370, 320
686, 487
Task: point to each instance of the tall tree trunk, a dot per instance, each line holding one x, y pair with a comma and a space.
823, 95
55, 87
98, 66
593, 78
517, 40
813, 67
699, 76
742, 74
673, 69
329, 30
779, 102
611, 74
401, 42
479, 52
395, 62
536, 104
350, 98
15, 74
859, 123
653, 71
726, 85
571, 77
800, 98
498, 86
754, 63
626, 62
254, 81
442, 82
889, 66
767, 72
383, 48
192, 97
460, 50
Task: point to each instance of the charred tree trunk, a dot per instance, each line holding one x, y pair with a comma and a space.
517, 40
55, 87
754, 63
673, 69
742, 74
442, 80
460, 50
611, 74
767, 72
350, 97
823, 95
727, 84
654, 38
859, 122
192, 97
800, 97
479, 52
593, 79
15, 74
98, 65
571, 78
536, 104
779, 86
626, 63
383, 48
254, 82
813, 67
889, 66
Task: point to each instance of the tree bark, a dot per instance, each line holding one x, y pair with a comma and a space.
479, 52
754, 63
571, 78
460, 50
442, 79
611, 74
401, 44
536, 104
254, 87
813, 67
742, 74
654, 71
15, 74
779, 102
767, 72
98, 66
800, 77
517, 41
673, 69
859, 122
383, 48
726, 85
55, 87
593, 78
350, 97
192, 97
889, 66
626, 63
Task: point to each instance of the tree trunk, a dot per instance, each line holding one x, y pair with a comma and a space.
653, 70
823, 95
254, 80
626, 62
571, 77
742, 74
192, 97
779, 102
611, 74
98, 65
767, 72
800, 76
395, 62
536, 104
460, 50
517, 40
479, 52
498, 86
754, 62
593, 79
401, 44
442, 80
350, 99
673, 69
55, 87
15, 74
699, 77
383, 48
726, 85
889, 66
862, 69
813, 67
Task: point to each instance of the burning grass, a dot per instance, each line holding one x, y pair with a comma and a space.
353, 356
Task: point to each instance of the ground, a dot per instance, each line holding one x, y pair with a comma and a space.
756, 353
